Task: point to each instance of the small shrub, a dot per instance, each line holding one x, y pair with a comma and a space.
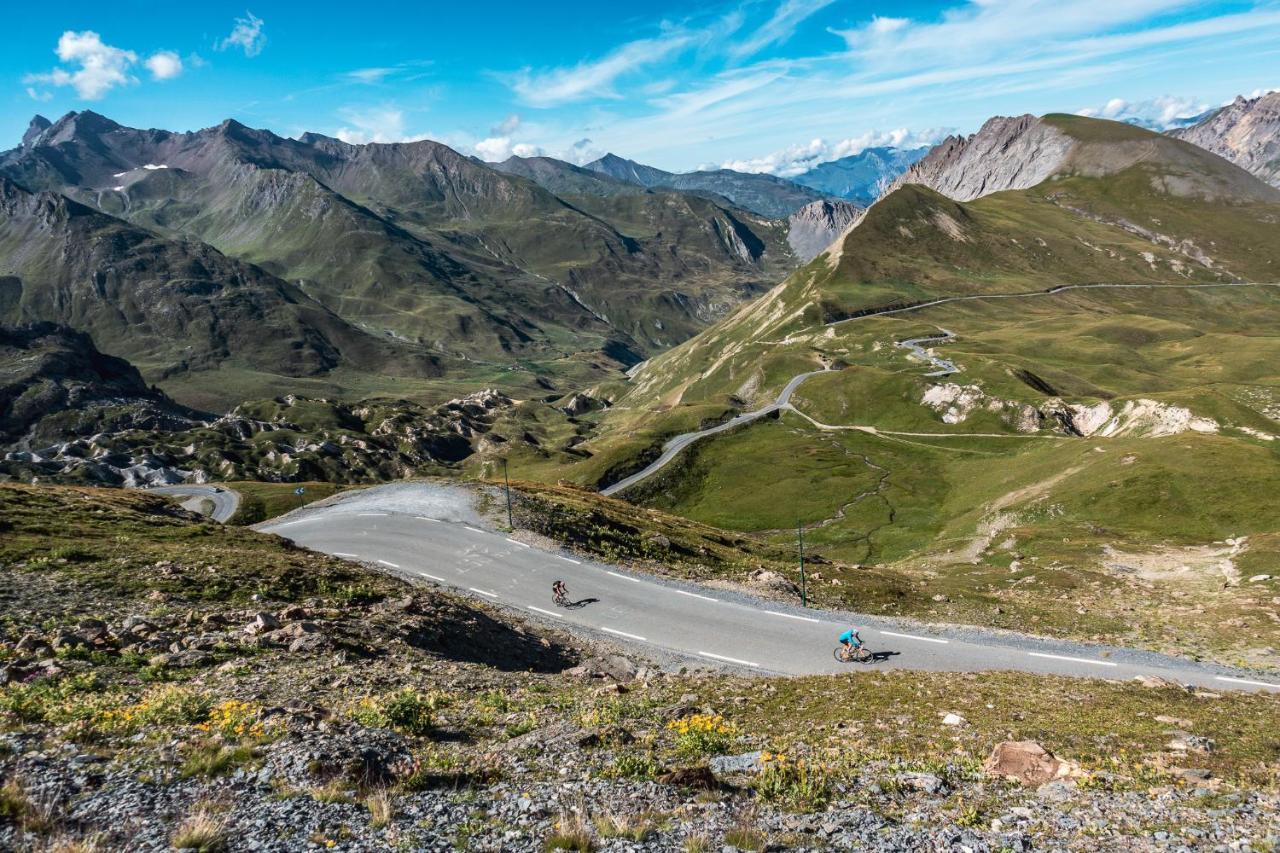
202, 831
382, 808
697, 844
234, 719
703, 734
635, 765
639, 827
746, 838
332, 792
211, 759
572, 831
796, 785
407, 711
522, 726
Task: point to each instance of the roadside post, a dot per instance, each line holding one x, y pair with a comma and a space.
804, 595
507, 482
300, 491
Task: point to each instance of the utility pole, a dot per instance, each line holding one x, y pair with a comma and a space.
507, 481
804, 596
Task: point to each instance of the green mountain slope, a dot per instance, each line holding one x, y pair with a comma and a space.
414, 240
1086, 430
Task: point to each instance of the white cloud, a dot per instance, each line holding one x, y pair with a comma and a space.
247, 35
1258, 93
594, 79
789, 15
507, 126
380, 124
100, 67
1159, 113
797, 159
495, 149
35, 95
164, 65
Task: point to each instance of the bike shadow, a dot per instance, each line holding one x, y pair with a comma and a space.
880, 657
581, 602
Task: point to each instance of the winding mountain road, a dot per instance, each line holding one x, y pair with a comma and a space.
429, 531
674, 445
225, 501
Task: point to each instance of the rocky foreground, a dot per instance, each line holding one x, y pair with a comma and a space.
171, 683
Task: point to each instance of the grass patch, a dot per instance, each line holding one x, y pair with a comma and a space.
261, 501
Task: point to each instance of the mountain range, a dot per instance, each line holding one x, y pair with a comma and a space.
411, 253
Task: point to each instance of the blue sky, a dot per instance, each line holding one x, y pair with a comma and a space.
763, 85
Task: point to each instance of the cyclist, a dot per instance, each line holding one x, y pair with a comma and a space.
851, 641
559, 592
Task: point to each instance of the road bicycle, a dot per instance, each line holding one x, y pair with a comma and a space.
859, 655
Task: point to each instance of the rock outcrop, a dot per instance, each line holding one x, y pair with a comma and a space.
1006, 154
816, 226
1246, 132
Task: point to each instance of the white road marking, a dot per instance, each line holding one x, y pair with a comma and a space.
624, 577
473, 529
340, 554
624, 634
287, 523
514, 542
790, 616
483, 592
1247, 681
1073, 660
425, 518
914, 637
433, 577
545, 612
569, 559
730, 660
370, 513
695, 595
392, 565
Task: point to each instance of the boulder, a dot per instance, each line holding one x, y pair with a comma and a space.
773, 582
263, 622
689, 777
1024, 761
747, 762
615, 667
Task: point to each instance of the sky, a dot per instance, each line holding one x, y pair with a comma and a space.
757, 85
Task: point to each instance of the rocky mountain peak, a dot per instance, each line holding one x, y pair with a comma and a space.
1246, 132
1008, 152
39, 124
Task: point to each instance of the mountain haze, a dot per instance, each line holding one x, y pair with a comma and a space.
861, 177
766, 195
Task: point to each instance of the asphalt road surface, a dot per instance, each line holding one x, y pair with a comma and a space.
430, 532
224, 500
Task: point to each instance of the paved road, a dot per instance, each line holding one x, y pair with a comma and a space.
225, 501
440, 539
673, 447
943, 367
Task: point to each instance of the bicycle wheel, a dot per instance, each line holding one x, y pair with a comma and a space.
838, 654
863, 656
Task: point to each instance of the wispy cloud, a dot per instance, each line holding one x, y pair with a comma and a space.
780, 27
247, 35
98, 67
377, 124
369, 75
594, 79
